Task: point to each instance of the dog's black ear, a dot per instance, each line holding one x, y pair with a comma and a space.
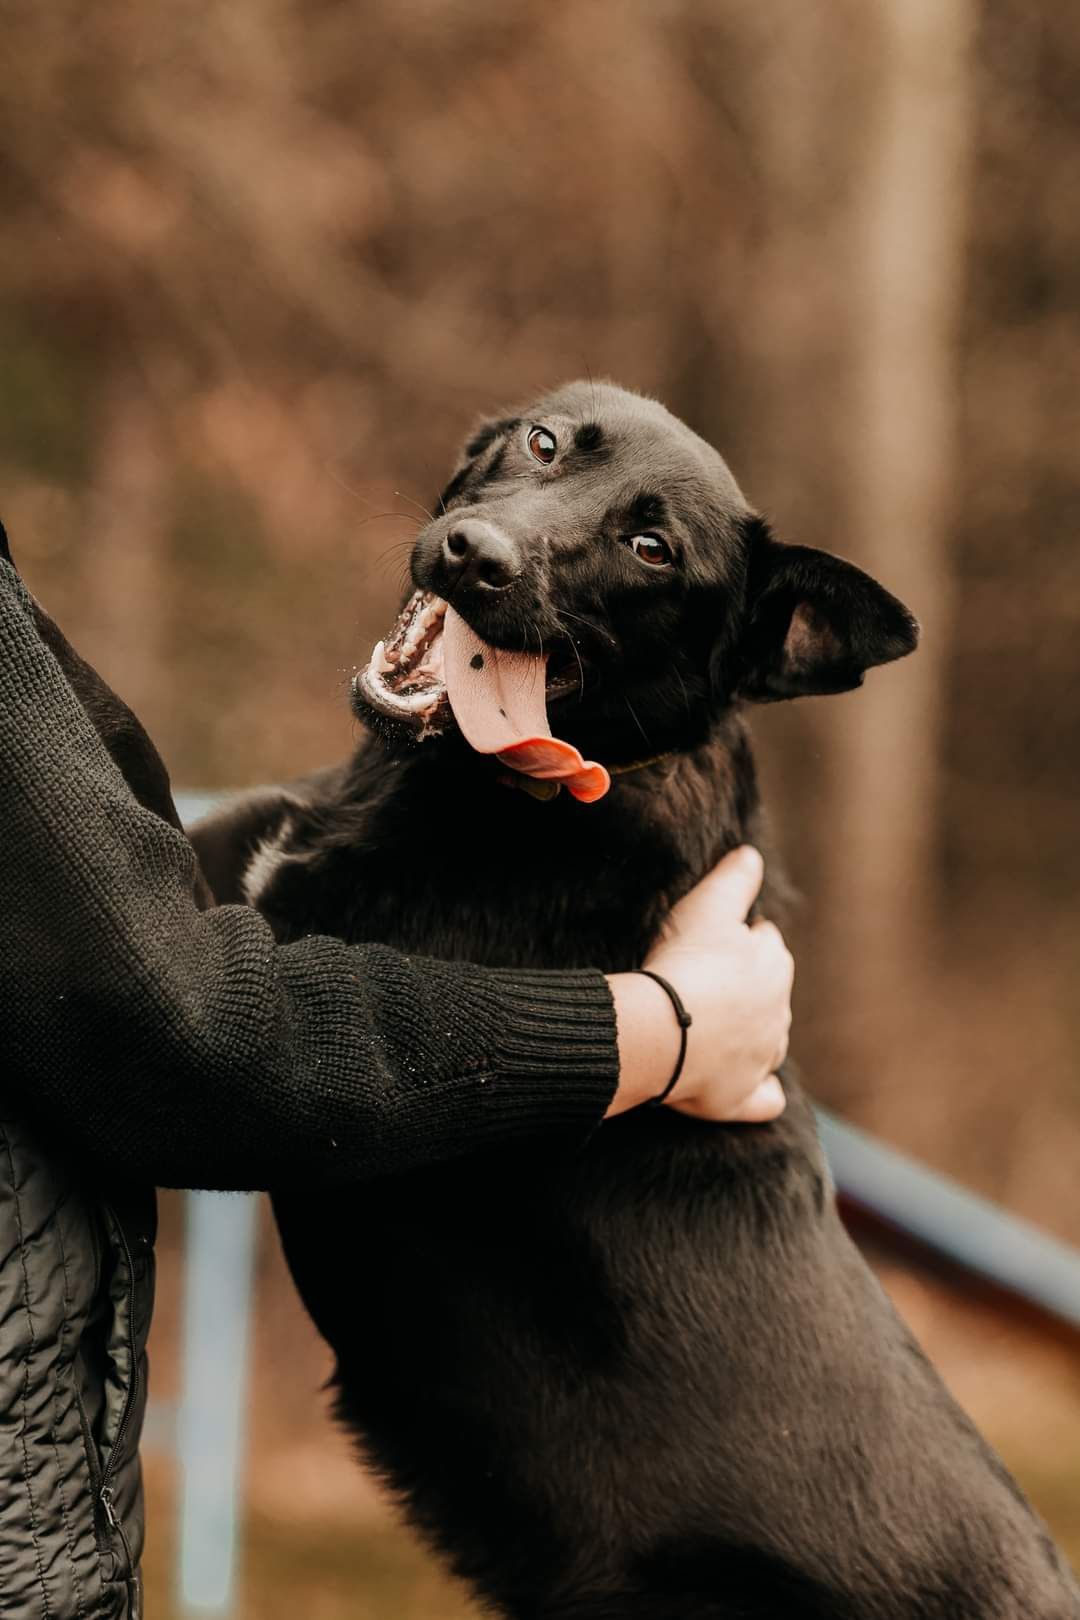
482, 438
815, 624
5, 549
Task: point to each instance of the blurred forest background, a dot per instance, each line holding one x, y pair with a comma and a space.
264, 263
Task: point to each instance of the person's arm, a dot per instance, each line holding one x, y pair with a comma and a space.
186, 1047
189, 1048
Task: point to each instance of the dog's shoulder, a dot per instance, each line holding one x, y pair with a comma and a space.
241, 844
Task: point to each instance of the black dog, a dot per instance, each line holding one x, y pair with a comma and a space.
647, 1375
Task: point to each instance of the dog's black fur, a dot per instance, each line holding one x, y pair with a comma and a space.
647, 1375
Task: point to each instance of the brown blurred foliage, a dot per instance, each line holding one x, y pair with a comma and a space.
266, 260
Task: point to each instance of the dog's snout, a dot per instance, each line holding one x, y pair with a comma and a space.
475, 555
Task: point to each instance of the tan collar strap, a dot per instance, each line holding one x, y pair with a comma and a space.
640, 764
538, 789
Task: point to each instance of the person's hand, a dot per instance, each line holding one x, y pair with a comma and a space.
735, 981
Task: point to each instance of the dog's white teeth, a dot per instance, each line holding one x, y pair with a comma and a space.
385, 698
413, 660
418, 702
423, 626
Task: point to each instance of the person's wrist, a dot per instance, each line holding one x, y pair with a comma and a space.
683, 1019
648, 1038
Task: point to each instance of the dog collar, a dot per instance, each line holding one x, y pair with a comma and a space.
537, 789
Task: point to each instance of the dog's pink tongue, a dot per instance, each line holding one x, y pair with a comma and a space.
499, 701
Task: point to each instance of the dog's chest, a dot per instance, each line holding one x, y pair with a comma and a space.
431, 856
528, 885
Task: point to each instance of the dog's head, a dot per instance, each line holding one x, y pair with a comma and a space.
594, 534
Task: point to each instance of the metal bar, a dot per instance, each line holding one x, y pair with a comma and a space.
968, 1230
190, 806
212, 1418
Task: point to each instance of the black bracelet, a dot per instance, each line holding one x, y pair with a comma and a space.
685, 1021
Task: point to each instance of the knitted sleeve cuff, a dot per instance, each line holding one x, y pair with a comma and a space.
402, 1061
554, 1054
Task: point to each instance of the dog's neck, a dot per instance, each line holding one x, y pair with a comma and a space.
703, 798
425, 838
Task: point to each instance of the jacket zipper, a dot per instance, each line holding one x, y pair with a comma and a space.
93, 1461
105, 1495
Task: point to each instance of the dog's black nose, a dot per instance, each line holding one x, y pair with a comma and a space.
474, 555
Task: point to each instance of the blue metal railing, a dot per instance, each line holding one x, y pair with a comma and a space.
930, 1209
212, 1417
939, 1214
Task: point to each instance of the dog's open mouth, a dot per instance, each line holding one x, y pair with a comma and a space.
404, 678
434, 670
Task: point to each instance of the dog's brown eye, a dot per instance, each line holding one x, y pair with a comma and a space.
542, 444
651, 549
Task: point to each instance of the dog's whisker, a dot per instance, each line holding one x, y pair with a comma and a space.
429, 479
581, 670
374, 517
403, 543
539, 639
344, 484
561, 615
407, 517
590, 624
636, 721
418, 504
595, 405
398, 551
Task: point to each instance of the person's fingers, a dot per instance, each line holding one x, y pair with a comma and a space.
767, 932
773, 956
735, 882
767, 1101
722, 899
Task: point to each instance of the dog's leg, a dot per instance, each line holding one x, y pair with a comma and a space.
230, 840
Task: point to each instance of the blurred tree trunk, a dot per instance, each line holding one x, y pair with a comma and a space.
129, 591
908, 236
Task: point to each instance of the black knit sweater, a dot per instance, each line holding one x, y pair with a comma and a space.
188, 1048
